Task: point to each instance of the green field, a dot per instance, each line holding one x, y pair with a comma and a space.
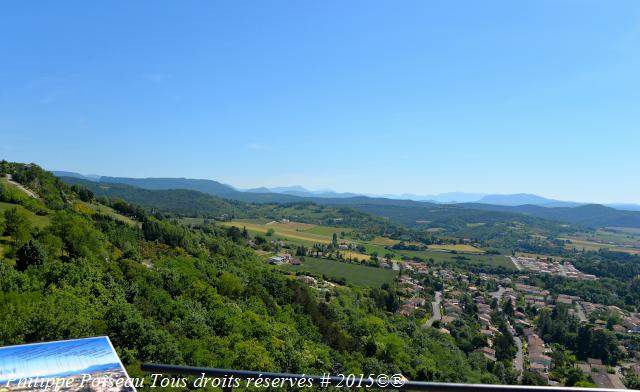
457, 248
296, 232
306, 234
628, 230
442, 257
358, 275
591, 245
327, 230
104, 210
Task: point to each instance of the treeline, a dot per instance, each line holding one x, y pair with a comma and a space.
181, 202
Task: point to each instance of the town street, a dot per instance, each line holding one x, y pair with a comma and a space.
580, 312
435, 305
498, 294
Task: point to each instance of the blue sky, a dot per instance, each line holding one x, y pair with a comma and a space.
369, 96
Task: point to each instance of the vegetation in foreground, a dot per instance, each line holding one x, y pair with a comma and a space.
198, 293
166, 293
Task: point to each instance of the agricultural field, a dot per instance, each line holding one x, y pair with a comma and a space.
539, 256
592, 245
626, 230
616, 237
308, 235
323, 230
458, 248
349, 254
297, 232
448, 257
384, 241
355, 274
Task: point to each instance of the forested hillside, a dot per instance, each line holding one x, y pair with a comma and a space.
183, 202
406, 212
166, 293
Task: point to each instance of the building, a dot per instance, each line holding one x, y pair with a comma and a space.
488, 353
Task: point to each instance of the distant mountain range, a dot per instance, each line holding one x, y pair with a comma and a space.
400, 209
279, 194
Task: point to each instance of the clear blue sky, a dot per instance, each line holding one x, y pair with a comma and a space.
368, 96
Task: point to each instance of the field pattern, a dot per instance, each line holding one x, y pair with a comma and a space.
358, 275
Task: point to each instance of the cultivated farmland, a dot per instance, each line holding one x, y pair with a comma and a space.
356, 274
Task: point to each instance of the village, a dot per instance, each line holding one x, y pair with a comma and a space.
448, 308
545, 265
451, 299
533, 353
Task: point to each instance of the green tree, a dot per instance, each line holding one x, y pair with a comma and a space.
632, 381
574, 375
334, 241
532, 378
229, 285
31, 253
507, 308
505, 346
79, 237
17, 225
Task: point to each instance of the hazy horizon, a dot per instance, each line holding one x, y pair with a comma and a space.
399, 193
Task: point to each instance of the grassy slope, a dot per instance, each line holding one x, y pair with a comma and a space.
104, 210
36, 220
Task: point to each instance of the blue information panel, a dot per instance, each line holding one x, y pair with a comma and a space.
70, 365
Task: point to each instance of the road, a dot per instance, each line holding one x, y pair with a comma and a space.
21, 187
580, 312
435, 305
518, 361
498, 294
515, 262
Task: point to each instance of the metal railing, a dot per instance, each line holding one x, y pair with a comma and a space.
332, 381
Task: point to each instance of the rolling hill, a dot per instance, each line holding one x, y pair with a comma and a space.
402, 211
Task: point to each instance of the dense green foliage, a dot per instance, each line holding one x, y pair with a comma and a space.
112, 259
167, 293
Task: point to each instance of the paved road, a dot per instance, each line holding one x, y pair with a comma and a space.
515, 262
435, 305
518, 361
580, 313
498, 294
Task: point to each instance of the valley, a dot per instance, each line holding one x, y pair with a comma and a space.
476, 294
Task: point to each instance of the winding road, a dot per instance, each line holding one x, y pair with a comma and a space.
435, 306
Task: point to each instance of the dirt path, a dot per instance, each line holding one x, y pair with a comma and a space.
21, 187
